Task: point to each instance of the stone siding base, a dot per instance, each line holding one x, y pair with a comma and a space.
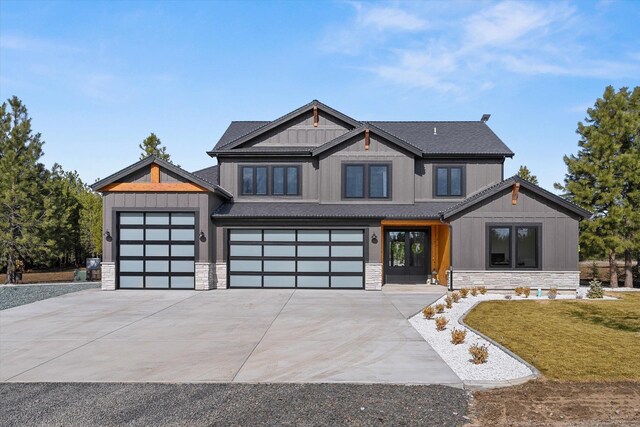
563, 280
221, 275
108, 276
373, 276
205, 276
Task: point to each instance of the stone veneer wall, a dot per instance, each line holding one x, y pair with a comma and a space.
205, 276
108, 276
373, 276
563, 280
221, 275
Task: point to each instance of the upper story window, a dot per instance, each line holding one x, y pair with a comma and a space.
272, 180
366, 181
449, 181
514, 246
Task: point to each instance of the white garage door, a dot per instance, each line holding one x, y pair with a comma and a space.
277, 258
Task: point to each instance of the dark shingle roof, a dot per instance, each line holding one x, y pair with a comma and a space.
314, 210
210, 174
239, 129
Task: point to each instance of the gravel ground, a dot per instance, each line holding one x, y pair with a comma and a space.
13, 296
107, 404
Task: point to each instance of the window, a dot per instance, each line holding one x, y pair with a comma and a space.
504, 240
366, 181
284, 180
449, 181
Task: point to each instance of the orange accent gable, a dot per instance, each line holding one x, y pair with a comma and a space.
154, 187
155, 173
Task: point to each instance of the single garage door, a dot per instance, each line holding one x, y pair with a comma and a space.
279, 258
156, 250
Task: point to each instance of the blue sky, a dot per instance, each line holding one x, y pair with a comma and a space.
98, 77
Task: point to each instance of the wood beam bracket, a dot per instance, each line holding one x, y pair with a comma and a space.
514, 193
155, 173
315, 116
366, 139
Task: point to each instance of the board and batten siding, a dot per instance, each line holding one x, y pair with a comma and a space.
479, 174
203, 203
559, 231
402, 170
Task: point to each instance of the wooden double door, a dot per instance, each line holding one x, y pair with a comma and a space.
407, 255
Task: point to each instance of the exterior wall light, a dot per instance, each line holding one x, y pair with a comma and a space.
107, 236
374, 238
203, 238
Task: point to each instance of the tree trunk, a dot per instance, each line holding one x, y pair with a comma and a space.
613, 270
628, 269
10, 270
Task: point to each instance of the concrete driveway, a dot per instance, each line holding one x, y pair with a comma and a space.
221, 336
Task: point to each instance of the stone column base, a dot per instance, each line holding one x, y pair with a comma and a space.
563, 280
205, 275
373, 276
108, 276
221, 275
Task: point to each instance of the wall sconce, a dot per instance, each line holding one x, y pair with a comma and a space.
374, 238
108, 237
203, 238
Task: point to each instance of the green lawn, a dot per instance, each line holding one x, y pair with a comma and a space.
568, 340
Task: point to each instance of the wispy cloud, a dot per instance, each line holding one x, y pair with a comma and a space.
474, 49
36, 45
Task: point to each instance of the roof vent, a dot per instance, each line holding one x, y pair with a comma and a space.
485, 118
435, 131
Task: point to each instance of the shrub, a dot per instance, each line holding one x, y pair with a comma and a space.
595, 289
458, 336
441, 323
429, 312
448, 301
464, 292
455, 296
482, 289
474, 291
595, 273
526, 291
553, 293
439, 308
479, 353
518, 290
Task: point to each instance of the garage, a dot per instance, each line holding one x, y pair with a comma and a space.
296, 258
156, 250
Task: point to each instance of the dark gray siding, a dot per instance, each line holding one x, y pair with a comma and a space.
141, 175
203, 203
479, 174
559, 231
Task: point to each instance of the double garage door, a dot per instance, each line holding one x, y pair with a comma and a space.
156, 250
303, 258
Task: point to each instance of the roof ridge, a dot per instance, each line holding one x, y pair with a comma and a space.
425, 121
396, 136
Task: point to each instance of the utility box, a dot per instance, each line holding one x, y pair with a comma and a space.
93, 269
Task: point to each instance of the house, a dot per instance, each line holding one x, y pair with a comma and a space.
317, 199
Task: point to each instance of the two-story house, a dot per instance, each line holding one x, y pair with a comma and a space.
317, 199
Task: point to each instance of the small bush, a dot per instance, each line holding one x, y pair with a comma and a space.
448, 301
482, 289
518, 290
455, 296
553, 293
458, 336
441, 323
479, 354
439, 308
595, 289
474, 291
526, 291
429, 312
464, 292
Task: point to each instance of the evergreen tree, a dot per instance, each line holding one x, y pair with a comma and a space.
22, 188
526, 174
90, 223
152, 146
603, 176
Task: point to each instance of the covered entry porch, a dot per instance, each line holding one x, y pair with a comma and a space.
412, 249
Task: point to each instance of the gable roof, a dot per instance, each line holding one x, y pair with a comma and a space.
210, 174
423, 138
277, 122
98, 186
497, 188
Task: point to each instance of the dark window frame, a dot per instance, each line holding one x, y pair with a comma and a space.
448, 167
366, 182
513, 246
270, 183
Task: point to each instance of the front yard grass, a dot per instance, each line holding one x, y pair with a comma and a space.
583, 340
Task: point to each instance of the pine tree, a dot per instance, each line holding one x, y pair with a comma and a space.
603, 176
526, 174
152, 146
90, 222
22, 188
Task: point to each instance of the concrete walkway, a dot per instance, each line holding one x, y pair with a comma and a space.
221, 336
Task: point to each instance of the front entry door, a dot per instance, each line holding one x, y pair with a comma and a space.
407, 256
